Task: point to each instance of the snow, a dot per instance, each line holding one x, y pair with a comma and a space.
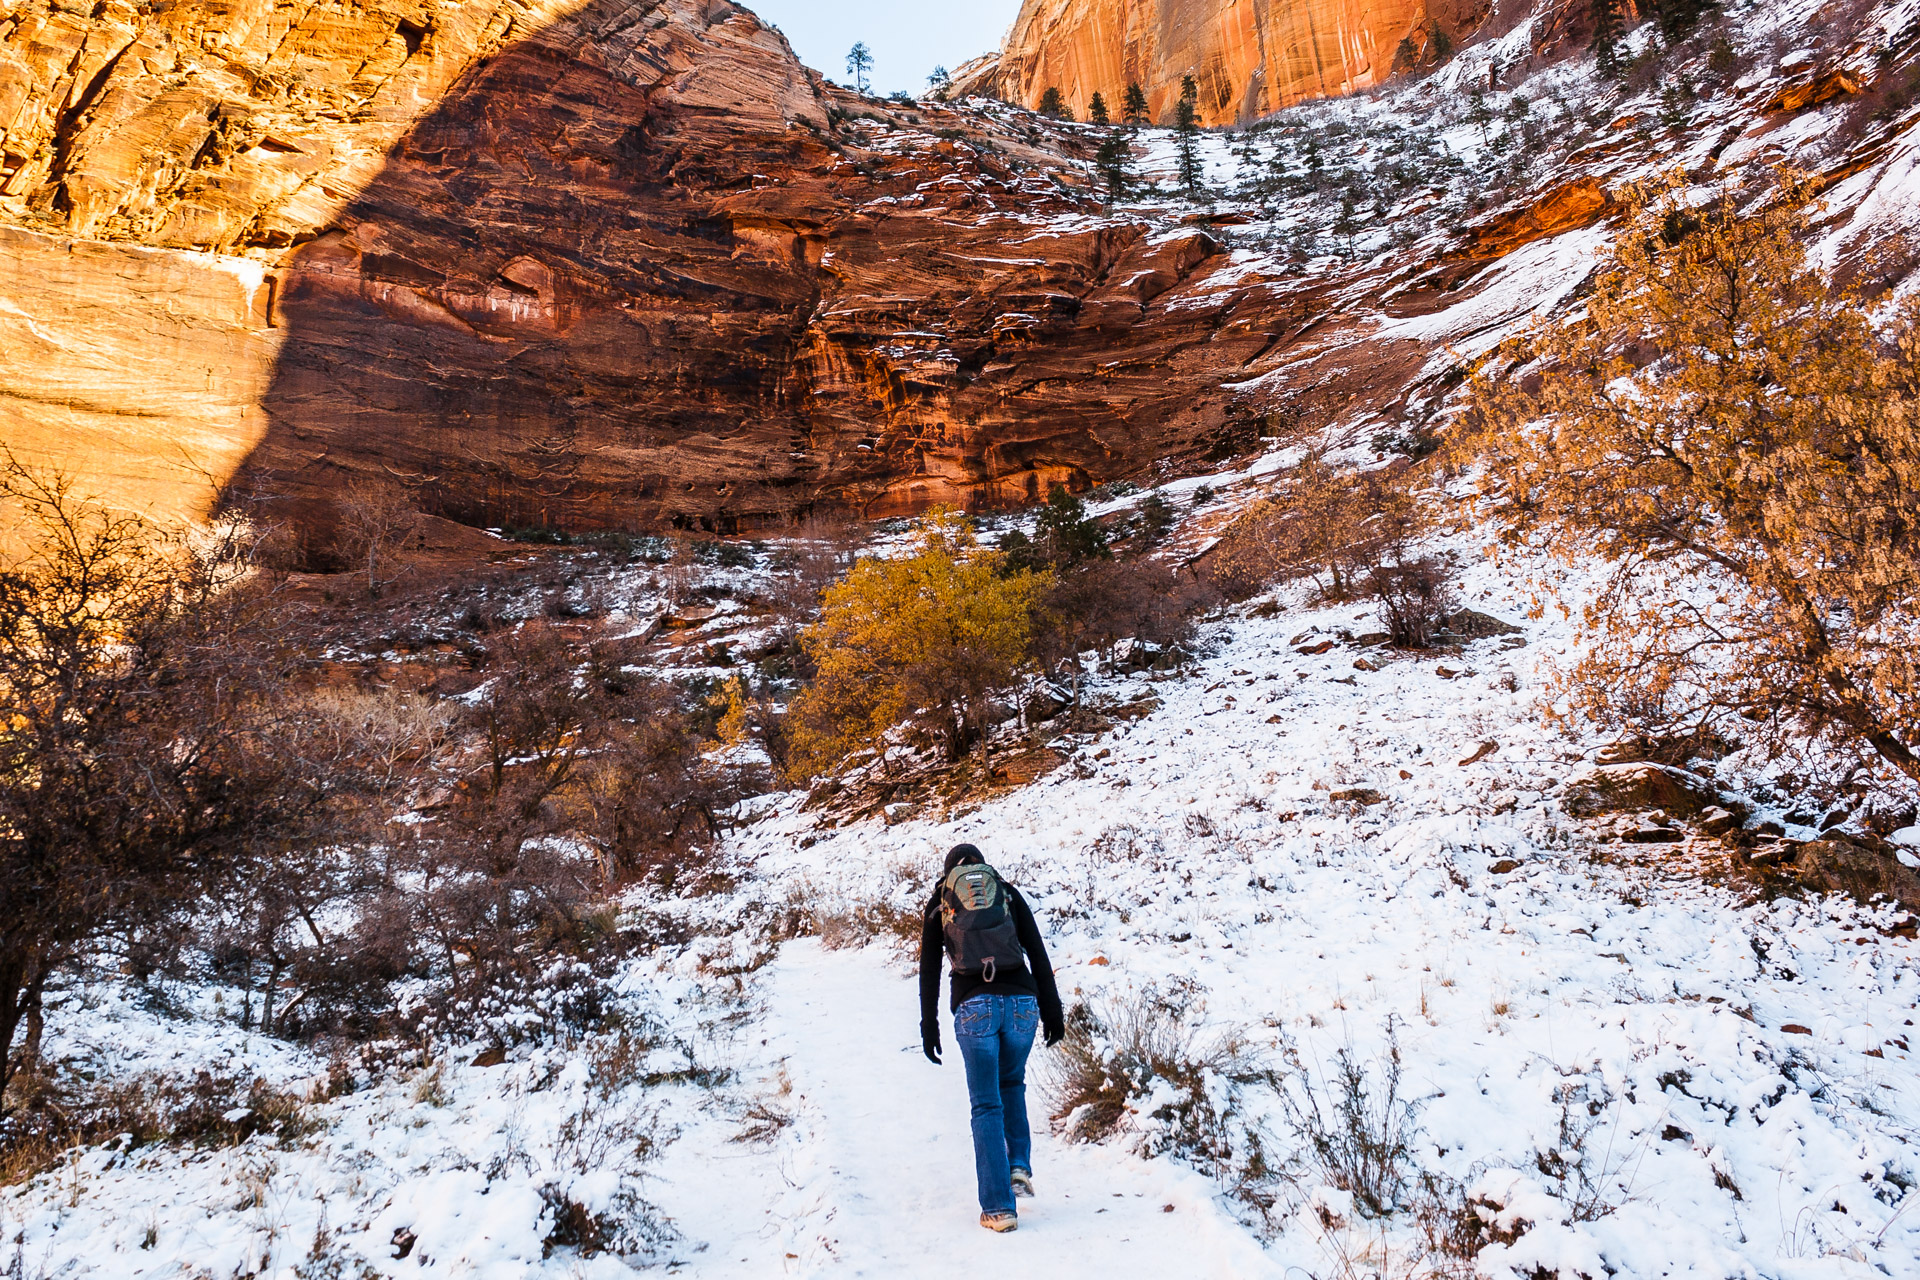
1463, 914
1531, 281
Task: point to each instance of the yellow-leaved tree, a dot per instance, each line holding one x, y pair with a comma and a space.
923, 639
1739, 436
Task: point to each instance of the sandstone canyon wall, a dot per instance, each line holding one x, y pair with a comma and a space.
1248, 57
616, 263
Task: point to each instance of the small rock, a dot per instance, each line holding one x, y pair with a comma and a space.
1405, 776
1445, 673
1654, 835
1361, 664
1273, 719
1674, 1133
1504, 866
1795, 1029
1102, 754
1372, 638
1314, 651
1099, 960
1357, 795
1715, 820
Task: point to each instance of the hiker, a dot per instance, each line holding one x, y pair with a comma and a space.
987, 930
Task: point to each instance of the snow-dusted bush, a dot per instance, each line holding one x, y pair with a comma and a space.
1145, 1066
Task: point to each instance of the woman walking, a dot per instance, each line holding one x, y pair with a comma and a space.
1003, 991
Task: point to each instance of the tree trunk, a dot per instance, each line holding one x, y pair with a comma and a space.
22, 981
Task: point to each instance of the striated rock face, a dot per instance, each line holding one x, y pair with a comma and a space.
600, 265
1248, 57
626, 263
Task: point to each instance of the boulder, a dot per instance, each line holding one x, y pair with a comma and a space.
1839, 866
1474, 625
1045, 701
1627, 788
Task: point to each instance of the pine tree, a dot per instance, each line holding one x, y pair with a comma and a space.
1064, 535
1346, 226
1608, 27
1114, 161
1186, 123
1678, 18
1054, 105
1097, 110
1249, 171
1135, 106
1156, 517
859, 62
1478, 112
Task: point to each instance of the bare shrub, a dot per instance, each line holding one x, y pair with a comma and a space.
55, 1118
147, 753
1726, 426
627, 1225
1120, 1055
818, 554
1321, 523
1097, 603
1581, 1175
1358, 1130
1416, 597
374, 519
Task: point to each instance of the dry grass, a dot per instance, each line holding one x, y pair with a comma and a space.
49, 1120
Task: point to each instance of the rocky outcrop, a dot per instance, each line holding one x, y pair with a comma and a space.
1247, 57
1641, 787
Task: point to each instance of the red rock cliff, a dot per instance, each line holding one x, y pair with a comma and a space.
625, 263
1248, 57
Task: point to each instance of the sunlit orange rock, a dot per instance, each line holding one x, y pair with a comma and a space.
1247, 57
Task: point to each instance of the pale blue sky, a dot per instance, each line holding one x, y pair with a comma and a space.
908, 37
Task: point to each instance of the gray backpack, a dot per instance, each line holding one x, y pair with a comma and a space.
977, 919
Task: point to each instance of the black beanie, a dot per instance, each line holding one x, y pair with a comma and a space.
962, 853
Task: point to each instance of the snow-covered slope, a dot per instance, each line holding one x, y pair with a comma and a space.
1298, 847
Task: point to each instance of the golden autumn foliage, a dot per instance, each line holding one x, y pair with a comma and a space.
733, 707
1739, 437
923, 639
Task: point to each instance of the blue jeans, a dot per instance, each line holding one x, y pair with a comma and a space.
995, 1034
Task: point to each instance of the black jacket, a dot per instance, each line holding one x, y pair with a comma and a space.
1037, 983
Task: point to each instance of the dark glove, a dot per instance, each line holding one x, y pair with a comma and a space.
930, 1042
1053, 1033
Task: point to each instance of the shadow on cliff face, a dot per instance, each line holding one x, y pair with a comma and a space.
572, 296
640, 270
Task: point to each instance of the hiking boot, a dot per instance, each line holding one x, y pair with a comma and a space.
1022, 1182
999, 1221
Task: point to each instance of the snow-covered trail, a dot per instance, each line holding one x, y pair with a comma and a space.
879, 1164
